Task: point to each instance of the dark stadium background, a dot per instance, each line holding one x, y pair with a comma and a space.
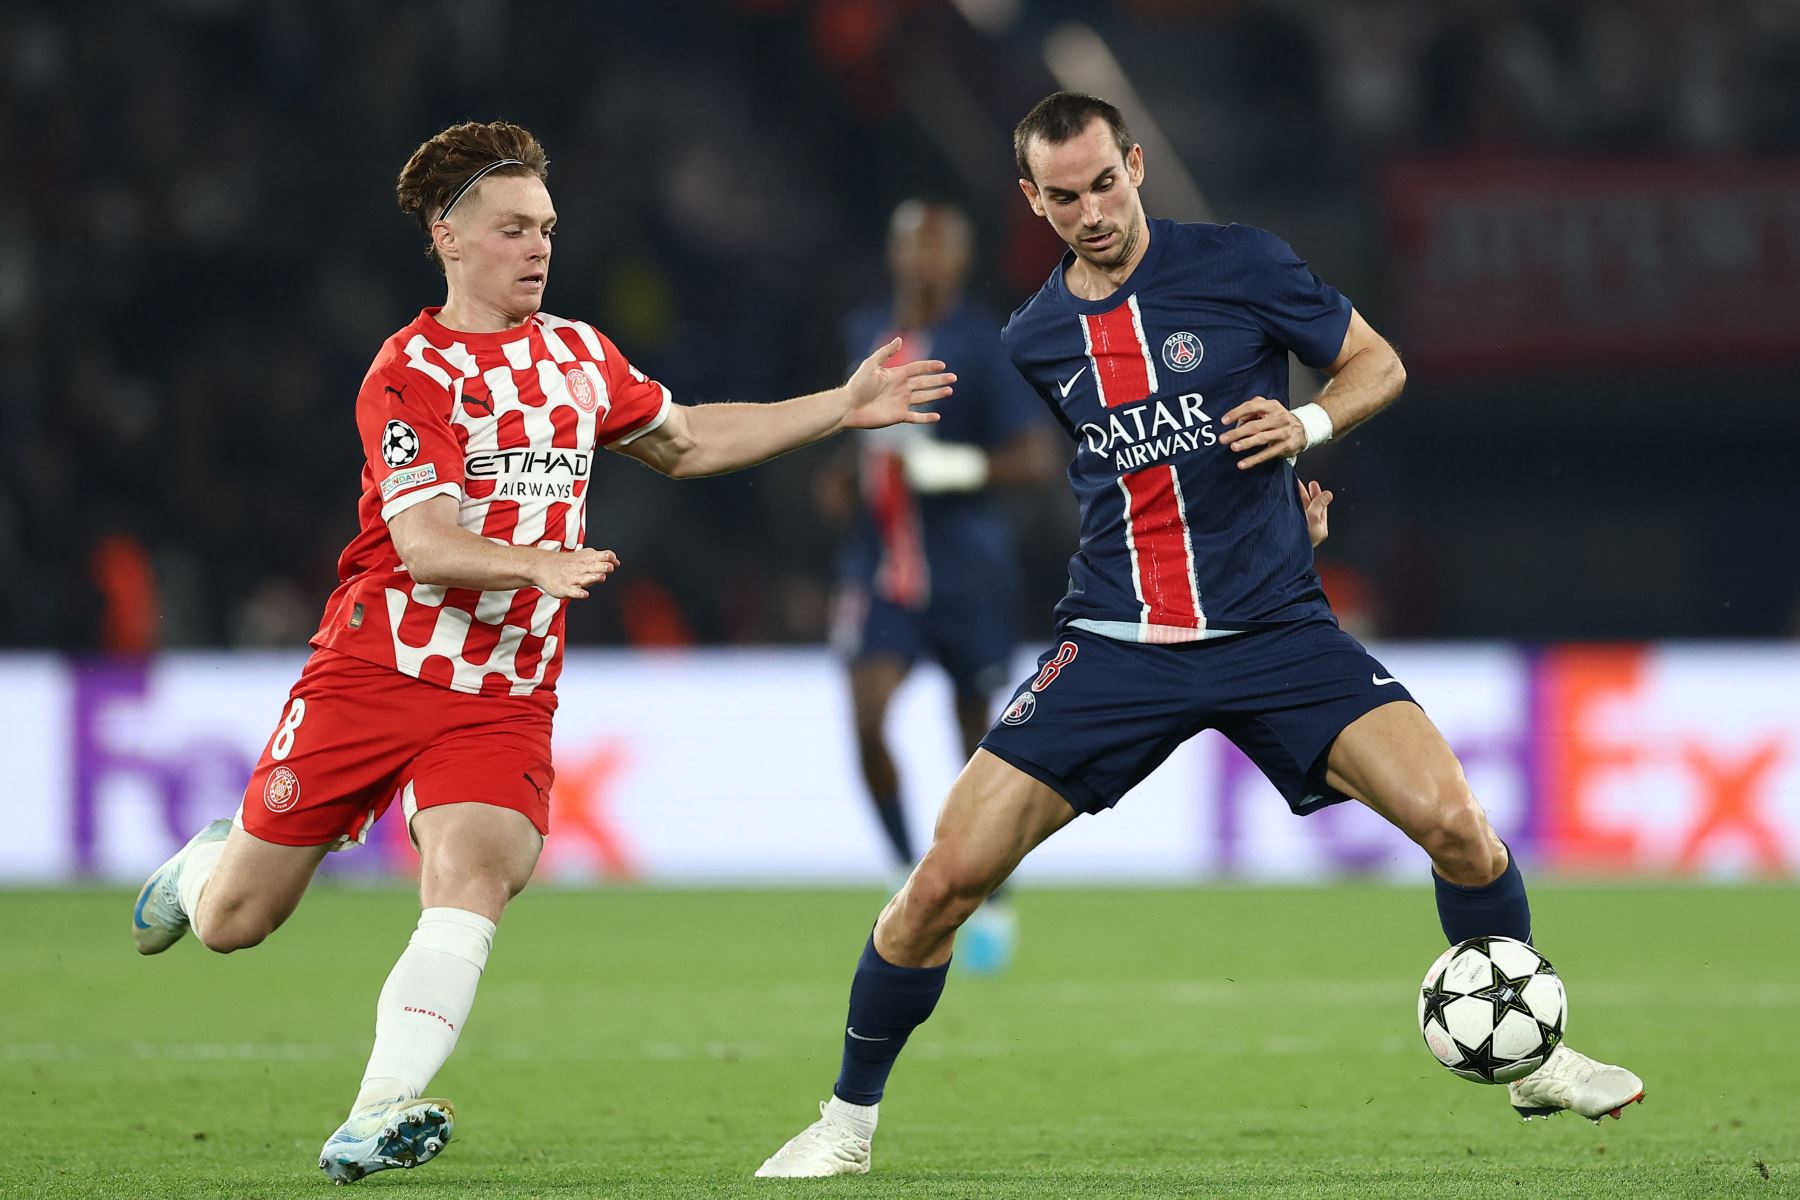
1579, 221
199, 253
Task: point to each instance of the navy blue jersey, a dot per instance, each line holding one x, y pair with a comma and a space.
1178, 544
905, 547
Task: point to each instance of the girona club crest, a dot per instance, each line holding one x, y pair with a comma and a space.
1183, 351
581, 388
282, 791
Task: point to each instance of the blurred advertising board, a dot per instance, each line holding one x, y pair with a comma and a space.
737, 766
1510, 263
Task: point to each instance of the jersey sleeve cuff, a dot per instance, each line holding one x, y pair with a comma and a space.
400, 504
650, 426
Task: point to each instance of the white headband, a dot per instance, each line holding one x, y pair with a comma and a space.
475, 179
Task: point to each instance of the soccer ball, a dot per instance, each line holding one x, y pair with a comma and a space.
1492, 1009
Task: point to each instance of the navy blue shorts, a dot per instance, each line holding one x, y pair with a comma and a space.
1101, 714
969, 634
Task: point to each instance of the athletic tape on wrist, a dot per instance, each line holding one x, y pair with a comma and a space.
1316, 422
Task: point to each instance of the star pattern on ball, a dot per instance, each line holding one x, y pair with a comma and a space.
1480, 1060
1506, 993
1436, 1000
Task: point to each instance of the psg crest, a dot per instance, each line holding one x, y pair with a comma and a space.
1020, 710
1183, 351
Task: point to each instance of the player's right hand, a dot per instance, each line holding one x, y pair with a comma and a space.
1315, 500
568, 574
879, 396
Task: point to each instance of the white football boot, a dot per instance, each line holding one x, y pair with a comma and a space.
157, 921
387, 1134
1573, 1081
826, 1147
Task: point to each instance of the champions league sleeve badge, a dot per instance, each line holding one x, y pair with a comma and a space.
399, 444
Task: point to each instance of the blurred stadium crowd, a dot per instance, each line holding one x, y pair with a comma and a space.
199, 254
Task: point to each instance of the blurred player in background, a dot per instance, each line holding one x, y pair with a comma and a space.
434, 669
1192, 602
929, 569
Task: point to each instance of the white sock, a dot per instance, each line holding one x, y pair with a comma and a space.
194, 873
424, 1003
859, 1118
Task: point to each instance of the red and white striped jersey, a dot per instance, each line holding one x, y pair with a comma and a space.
507, 423
1177, 543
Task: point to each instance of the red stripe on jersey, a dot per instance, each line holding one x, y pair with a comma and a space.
509, 430
531, 653
556, 523
903, 576
417, 624
437, 358
531, 392
1120, 365
478, 645
502, 518
437, 669
563, 423
567, 335
524, 603
1161, 556
474, 489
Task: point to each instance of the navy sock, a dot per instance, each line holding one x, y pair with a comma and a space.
893, 823
1496, 908
886, 1004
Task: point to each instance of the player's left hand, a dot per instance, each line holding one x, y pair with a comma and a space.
881, 396
1315, 500
1265, 427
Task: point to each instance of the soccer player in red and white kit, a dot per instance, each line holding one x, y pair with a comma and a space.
435, 665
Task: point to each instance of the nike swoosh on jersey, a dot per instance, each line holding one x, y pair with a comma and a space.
851, 1030
1378, 680
1064, 387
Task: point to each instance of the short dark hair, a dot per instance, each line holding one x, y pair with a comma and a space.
1064, 115
445, 162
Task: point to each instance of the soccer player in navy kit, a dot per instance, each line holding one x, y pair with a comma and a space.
928, 568
1192, 602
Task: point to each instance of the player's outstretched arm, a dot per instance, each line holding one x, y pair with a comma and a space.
1314, 500
1366, 377
437, 550
711, 439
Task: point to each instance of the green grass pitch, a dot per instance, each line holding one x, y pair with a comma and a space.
634, 1042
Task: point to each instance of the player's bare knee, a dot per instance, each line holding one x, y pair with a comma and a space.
1461, 845
940, 897
226, 928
